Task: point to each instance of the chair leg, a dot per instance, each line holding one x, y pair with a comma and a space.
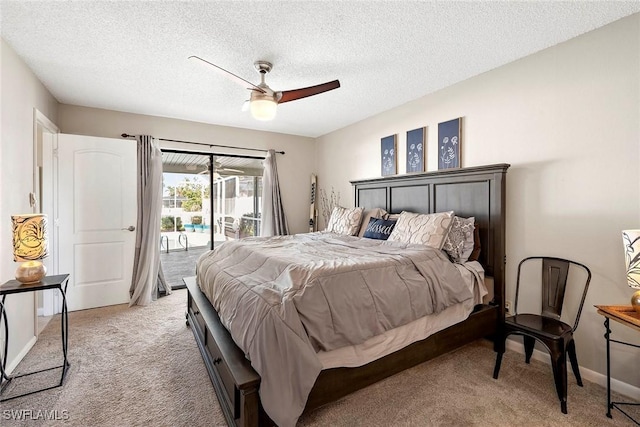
559, 364
499, 347
496, 369
571, 350
529, 344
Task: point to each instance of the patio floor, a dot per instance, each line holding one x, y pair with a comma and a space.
178, 263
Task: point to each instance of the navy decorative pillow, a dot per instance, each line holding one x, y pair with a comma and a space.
379, 228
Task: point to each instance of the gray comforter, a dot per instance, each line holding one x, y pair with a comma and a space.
285, 298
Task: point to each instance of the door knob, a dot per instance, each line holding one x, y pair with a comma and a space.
129, 228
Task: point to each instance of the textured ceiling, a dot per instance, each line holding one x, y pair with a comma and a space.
131, 56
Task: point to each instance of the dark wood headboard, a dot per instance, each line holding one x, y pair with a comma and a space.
476, 191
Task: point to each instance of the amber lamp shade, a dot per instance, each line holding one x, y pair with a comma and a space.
631, 241
30, 246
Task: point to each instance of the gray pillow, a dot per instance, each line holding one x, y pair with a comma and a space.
459, 242
367, 215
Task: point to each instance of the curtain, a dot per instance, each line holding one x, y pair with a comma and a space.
274, 222
148, 278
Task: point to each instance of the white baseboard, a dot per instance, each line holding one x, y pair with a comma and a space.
40, 312
12, 365
618, 386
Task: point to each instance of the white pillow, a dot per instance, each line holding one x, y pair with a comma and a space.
367, 215
423, 229
459, 242
345, 221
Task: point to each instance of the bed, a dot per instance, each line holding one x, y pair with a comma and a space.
477, 191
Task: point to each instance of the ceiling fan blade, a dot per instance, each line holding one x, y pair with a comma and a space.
231, 170
218, 167
245, 83
292, 95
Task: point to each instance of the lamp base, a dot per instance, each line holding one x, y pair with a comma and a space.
32, 272
635, 301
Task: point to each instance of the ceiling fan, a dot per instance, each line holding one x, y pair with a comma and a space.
264, 101
217, 167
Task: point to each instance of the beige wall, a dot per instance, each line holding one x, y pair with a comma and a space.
294, 168
568, 121
20, 93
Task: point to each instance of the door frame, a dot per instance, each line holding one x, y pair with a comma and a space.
51, 299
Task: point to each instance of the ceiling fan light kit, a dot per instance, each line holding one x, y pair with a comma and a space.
264, 101
263, 107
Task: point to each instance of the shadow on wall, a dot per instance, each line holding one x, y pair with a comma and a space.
548, 213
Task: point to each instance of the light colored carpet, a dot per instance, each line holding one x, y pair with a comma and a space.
141, 367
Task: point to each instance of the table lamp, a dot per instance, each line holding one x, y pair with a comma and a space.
30, 246
631, 240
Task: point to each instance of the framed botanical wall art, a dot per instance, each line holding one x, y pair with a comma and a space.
388, 153
449, 144
416, 149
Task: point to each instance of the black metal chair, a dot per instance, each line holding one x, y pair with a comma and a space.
547, 328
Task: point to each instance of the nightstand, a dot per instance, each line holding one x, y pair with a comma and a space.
14, 287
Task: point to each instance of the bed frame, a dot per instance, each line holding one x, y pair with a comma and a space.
476, 191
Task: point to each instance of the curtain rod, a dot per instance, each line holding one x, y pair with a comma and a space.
125, 135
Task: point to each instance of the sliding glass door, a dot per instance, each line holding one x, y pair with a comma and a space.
207, 199
185, 202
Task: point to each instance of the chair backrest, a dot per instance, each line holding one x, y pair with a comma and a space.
555, 272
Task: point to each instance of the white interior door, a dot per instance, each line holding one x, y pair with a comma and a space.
97, 208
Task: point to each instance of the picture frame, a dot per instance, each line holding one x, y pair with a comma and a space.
416, 150
449, 143
388, 155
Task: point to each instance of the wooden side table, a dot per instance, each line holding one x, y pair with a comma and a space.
14, 287
626, 315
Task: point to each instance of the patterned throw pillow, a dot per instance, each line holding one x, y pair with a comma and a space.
423, 229
459, 242
379, 228
345, 221
367, 215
